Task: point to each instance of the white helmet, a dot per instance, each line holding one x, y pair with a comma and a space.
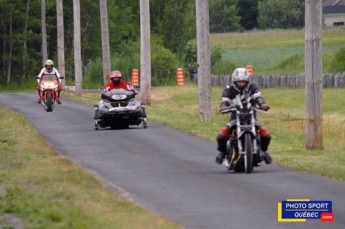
240, 74
49, 65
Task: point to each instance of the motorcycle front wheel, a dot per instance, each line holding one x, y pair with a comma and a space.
49, 102
248, 156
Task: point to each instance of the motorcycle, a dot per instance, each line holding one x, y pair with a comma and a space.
243, 146
49, 85
119, 108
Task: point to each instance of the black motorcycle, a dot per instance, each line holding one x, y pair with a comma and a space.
119, 108
243, 147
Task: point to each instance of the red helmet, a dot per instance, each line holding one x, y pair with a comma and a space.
115, 77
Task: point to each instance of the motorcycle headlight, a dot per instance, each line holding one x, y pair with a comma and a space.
119, 97
48, 84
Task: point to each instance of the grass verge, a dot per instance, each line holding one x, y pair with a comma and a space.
41, 189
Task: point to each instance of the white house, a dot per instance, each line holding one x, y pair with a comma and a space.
333, 12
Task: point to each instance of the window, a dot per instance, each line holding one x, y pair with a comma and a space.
338, 23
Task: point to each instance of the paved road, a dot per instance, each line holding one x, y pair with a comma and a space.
174, 174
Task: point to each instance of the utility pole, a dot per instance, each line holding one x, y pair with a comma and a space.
60, 39
204, 59
145, 53
44, 31
105, 40
313, 75
77, 48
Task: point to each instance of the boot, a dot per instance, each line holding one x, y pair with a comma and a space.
96, 116
39, 97
268, 158
220, 158
58, 100
143, 112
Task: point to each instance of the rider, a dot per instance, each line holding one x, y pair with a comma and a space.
116, 83
231, 94
48, 69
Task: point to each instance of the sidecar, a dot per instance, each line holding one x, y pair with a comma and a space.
119, 109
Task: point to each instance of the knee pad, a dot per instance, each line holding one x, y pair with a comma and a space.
263, 131
225, 132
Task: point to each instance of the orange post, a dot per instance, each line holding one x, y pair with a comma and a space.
250, 69
135, 77
180, 78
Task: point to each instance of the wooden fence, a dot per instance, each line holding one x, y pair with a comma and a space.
330, 80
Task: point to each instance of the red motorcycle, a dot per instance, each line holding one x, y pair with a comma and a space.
49, 86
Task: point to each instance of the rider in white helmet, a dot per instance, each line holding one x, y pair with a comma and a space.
49, 69
241, 86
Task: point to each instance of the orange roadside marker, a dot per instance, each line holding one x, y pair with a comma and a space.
135, 77
250, 69
180, 77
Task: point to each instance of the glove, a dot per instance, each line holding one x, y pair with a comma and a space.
264, 107
224, 106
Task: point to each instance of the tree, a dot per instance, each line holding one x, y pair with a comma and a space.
21, 43
281, 14
25, 44
20, 40
223, 16
174, 21
248, 12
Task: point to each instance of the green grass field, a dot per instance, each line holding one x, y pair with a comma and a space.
264, 49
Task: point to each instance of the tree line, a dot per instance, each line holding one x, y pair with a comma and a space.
172, 29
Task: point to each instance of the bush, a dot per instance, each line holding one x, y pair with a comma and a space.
291, 64
216, 55
223, 67
93, 74
338, 63
164, 65
190, 56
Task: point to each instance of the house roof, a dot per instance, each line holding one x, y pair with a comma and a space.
333, 2
336, 9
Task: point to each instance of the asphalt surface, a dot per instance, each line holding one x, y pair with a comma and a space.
173, 174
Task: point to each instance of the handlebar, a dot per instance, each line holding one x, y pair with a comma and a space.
226, 110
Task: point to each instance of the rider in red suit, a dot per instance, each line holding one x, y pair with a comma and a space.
117, 82
48, 69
